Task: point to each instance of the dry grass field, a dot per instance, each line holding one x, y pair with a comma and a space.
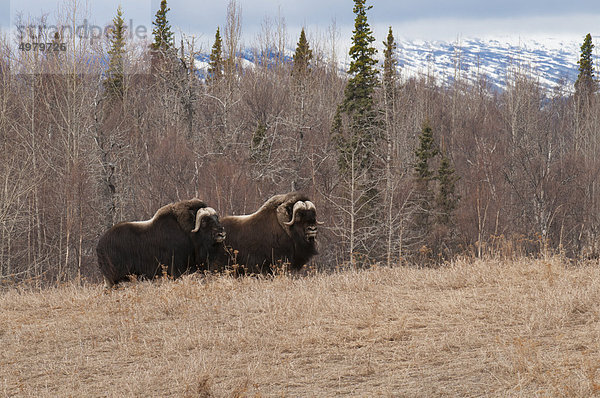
474, 328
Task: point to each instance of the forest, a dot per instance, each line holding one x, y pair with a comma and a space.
404, 170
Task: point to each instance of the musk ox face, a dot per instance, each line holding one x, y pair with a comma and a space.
208, 227
303, 222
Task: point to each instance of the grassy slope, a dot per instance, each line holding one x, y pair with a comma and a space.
514, 328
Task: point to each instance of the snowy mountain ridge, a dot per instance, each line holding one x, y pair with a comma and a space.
551, 61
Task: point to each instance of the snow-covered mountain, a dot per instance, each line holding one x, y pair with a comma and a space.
552, 61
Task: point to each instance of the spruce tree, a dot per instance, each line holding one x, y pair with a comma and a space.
422, 177
259, 147
389, 85
432, 213
163, 37
389, 65
354, 131
358, 105
586, 84
114, 77
446, 199
337, 132
302, 57
359, 90
300, 80
424, 153
215, 65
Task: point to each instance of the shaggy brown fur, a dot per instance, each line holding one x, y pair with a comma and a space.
164, 243
262, 239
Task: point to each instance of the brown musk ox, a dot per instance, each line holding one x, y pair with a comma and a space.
282, 231
181, 237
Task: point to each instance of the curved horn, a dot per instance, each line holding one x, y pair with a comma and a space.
205, 211
297, 206
311, 206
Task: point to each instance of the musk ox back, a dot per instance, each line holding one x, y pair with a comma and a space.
181, 237
283, 230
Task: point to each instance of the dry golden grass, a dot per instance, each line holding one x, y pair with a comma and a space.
483, 328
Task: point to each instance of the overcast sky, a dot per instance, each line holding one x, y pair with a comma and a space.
416, 19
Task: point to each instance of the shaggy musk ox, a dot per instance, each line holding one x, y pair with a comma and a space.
181, 237
283, 230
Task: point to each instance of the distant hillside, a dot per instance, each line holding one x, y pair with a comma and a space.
549, 60
552, 61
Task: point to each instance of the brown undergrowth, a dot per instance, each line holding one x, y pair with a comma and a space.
472, 328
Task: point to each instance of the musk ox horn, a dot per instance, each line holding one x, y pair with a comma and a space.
205, 211
299, 205
311, 206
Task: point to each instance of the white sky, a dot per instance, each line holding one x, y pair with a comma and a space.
422, 19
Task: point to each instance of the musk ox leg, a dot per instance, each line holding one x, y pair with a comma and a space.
108, 283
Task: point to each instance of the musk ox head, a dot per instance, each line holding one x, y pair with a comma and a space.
299, 219
207, 226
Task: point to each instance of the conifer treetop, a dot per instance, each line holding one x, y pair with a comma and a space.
424, 153
389, 63
114, 80
163, 37
389, 59
302, 56
362, 52
117, 35
216, 63
585, 80
360, 87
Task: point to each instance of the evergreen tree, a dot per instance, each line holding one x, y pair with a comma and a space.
339, 140
586, 83
424, 153
432, 214
358, 95
163, 37
215, 65
422, 177
302, 57
389, 85
359, 90
354, 131
114, 77
300, 80
389, 65
259, 148
446, 199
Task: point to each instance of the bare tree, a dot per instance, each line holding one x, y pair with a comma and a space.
233, 31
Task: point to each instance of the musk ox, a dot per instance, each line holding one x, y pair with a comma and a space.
181, 237
283, 230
